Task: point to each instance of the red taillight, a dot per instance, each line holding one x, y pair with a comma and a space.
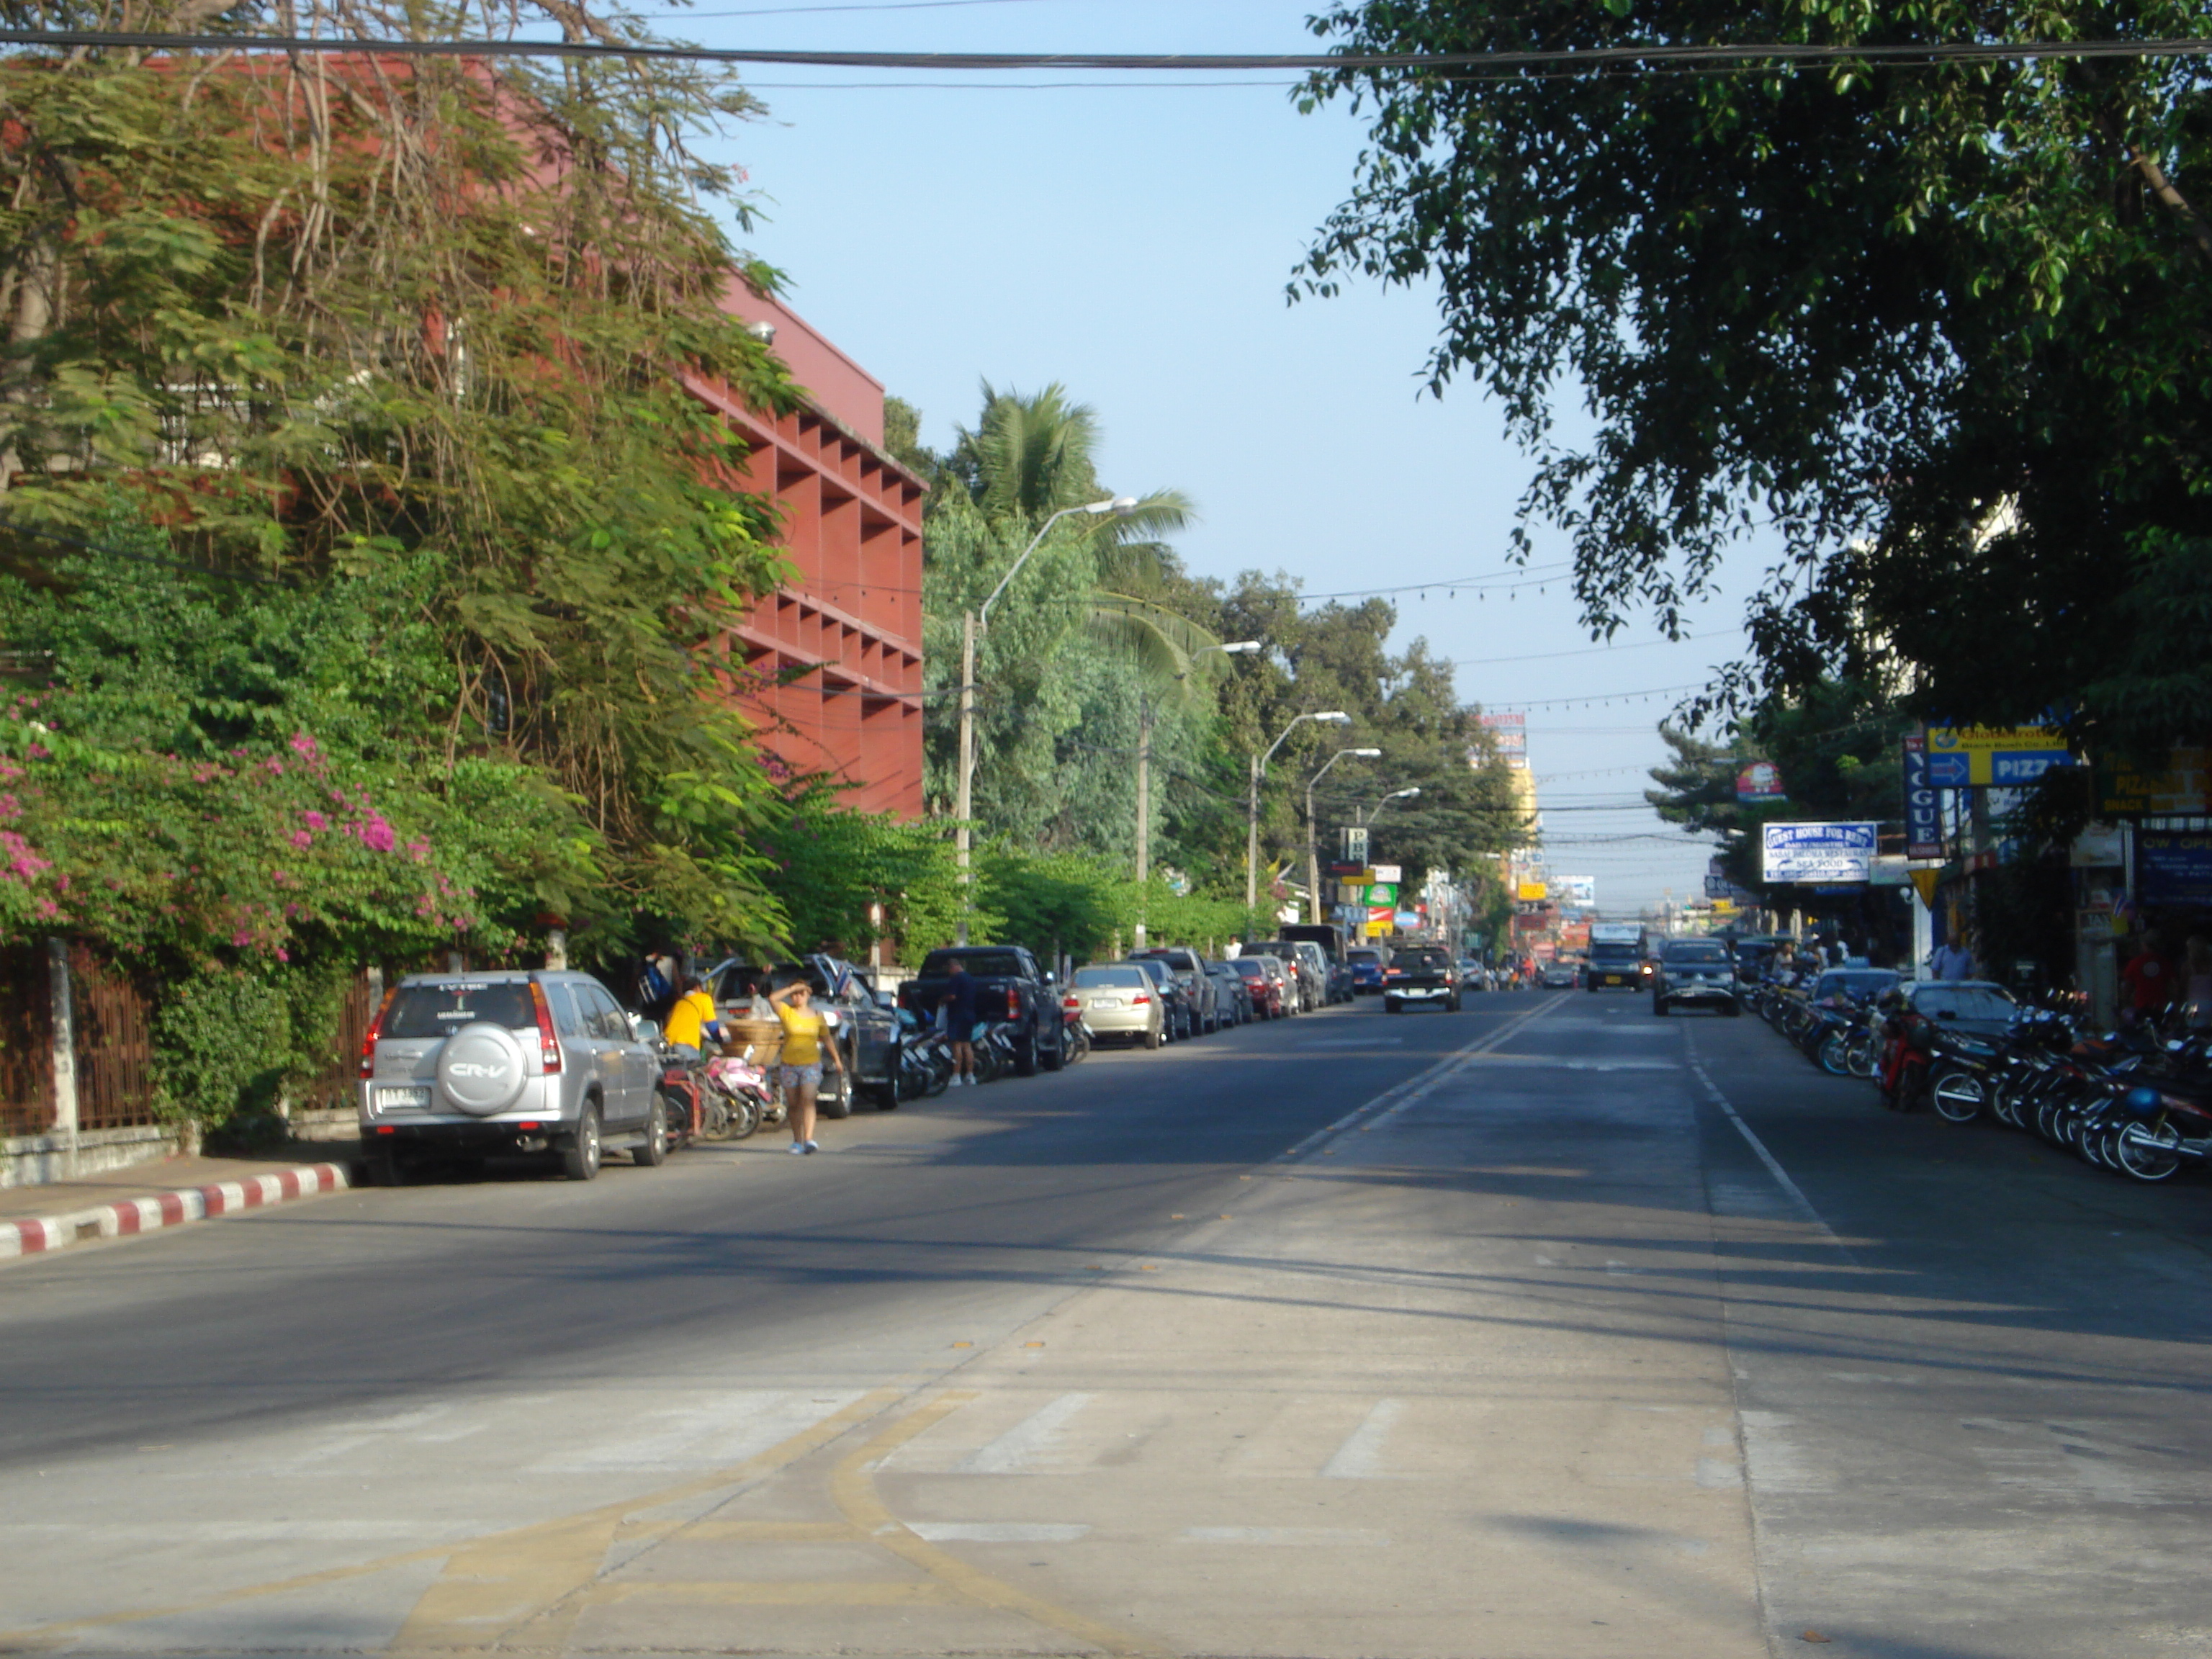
1140, 1002
529, 1126
549, 1044
375, 1031
1071, 1002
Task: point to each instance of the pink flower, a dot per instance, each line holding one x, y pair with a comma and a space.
314, 821
39, 752
275, 765
283, 955
45, 909
302, 838
419, 850
10, 808
303, 745
242, 938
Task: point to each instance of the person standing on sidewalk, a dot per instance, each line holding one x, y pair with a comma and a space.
2149, 978
1951, 960
807, 1046
959, 1005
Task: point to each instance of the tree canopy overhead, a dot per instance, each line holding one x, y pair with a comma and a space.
1943, 328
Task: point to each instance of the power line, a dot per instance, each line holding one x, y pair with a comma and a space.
1707, 57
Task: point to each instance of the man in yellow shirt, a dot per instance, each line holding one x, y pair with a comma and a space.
808, 1045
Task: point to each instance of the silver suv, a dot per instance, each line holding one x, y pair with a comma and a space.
515, 1062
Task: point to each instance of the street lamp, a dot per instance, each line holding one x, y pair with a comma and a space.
1313, 859
972, 624
1240, 649
1331, 717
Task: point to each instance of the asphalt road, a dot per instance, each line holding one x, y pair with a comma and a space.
1578, 1333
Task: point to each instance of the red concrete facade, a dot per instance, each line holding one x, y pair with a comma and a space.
836, 654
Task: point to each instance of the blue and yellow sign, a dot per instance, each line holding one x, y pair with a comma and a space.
2000, 756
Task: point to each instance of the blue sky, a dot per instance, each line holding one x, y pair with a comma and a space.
1132, 239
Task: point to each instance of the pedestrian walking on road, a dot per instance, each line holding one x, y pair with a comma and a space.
807, 1046
959, 1005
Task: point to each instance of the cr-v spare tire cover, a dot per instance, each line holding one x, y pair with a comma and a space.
481, 1069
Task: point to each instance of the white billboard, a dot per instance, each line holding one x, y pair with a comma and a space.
1578, 890
1825, 854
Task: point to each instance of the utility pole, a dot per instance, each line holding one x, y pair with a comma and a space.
1252, 842
1144, 809
961, 802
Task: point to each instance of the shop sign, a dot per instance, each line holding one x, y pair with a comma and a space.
2098, 846
1378, 930
1816, 855
1760, 782
1889, 871
1532, 891
2003, 757
1389, 873
2173, 868
1924, 818
1383, 893
2183, 789
1380, 913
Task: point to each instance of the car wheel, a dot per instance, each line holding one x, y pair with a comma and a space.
1659, 1007
1154, 1036
1025, 1057
834, 1101
1055, 1058
386, 1170
580, 1161
653, 1151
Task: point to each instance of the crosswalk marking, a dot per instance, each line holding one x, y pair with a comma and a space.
1360, 1456
1019, 1447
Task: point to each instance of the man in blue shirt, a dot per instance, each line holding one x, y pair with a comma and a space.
959, 1005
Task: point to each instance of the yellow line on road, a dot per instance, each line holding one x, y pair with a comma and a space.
854, 1489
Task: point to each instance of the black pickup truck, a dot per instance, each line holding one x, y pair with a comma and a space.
1424, 974
1009, 986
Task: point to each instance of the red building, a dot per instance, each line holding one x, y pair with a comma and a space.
836, 654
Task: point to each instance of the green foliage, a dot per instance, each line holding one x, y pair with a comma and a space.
222, 1038
1938, 326
834, 867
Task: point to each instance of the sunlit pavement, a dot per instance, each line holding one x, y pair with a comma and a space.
1549, 1328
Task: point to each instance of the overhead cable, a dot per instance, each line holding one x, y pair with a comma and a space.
1713, 55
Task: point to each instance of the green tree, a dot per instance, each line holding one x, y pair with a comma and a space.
1936, 325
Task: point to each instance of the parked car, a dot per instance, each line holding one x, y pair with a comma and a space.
1229, 987
1119, 1000
1197, 987
1561, 975
464, 1065
1421, 974
1305, 960
1329, 938
1267, 981
1009, 986
1177, 1004
1474, 975
868, 1036
1694, 973
1368, 963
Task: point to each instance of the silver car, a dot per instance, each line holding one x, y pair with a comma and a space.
463, 1065
1119, 1001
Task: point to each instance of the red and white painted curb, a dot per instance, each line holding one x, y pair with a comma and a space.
128, 1216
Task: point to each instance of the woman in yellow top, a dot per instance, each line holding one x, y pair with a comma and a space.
692, 1019
807, 1046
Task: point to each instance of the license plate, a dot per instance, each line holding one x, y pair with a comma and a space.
1105, 1002
389, 1099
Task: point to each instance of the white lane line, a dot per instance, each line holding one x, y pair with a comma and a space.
1012, 1451
1773, 1164
1331, 1537
1397, 1097
997, 1532
1360, 1456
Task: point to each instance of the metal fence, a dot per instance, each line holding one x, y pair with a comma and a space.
334, 1087
27, 1036
115, 1047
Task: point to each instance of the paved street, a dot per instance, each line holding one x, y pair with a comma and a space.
1487, 1335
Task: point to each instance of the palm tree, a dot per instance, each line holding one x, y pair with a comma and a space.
1029, 456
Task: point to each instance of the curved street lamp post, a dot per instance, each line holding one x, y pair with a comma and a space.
1330, 717
972, 624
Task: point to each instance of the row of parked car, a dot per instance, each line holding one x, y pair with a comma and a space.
457, 1068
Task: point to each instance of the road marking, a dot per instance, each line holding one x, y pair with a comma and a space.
1328, 1537
1360, 1456
999, 1532
855, 1496
1012, 1451
1400, 1095
1773, 1165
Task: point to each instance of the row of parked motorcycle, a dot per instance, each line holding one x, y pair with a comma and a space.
2136, 1102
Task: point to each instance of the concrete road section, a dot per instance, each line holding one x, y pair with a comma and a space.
1547, 1328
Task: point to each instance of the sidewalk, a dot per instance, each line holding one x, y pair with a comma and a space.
146, 1198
